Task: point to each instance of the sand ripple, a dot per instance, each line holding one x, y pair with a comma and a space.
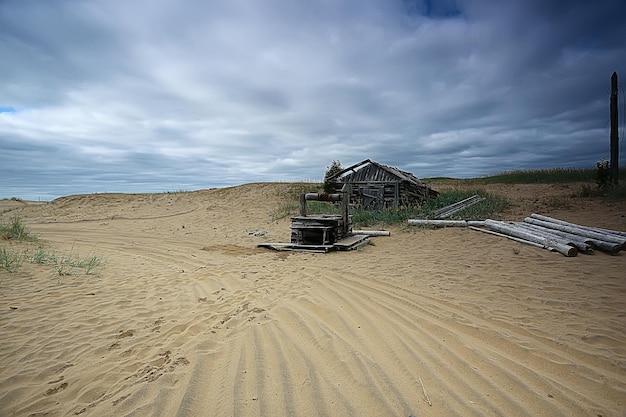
197, 321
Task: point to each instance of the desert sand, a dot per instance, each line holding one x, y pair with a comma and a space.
188, 317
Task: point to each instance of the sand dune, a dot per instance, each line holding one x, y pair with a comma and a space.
188, 317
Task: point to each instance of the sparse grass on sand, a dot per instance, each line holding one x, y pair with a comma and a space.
10, 261
71, 264
12, 258
15, 230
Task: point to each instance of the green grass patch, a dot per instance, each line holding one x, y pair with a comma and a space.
289, 197
15, 230
72, 264
491, 207
542, 176
284, 209
547, 176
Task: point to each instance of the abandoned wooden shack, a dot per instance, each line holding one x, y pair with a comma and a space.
377, 187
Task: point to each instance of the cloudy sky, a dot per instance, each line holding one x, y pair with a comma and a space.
168, 95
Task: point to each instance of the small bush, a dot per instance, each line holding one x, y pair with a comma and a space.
603, 174
334, 168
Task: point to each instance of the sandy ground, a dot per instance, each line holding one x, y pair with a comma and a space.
188, 317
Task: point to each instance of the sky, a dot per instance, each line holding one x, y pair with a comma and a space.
171, 95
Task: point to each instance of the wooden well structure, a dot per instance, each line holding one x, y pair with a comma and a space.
321, 229
322, 232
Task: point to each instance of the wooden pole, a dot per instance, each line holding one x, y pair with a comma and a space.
445, 223
567, 238
614, 233
516, 239
448, 211
372, 232
614, 134
575, 229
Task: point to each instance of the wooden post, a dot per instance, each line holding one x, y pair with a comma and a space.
346, 191
303, 205
396, 195
614, 134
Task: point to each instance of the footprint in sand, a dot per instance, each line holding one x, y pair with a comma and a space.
127, 333
54, 390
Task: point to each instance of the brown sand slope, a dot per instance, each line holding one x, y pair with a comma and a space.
189, 317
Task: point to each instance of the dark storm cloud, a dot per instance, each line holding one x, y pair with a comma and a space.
148, 96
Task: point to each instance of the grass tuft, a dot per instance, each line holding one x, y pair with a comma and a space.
63, 265
67, 265
10, 261
15, 230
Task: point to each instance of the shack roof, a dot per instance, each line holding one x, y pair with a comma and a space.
396, 172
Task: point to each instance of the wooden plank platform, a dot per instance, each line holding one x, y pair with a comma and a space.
348, 243
296, 247
351, 242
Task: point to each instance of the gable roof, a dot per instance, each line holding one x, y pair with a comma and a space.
396, 172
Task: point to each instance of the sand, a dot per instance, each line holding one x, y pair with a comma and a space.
188, 317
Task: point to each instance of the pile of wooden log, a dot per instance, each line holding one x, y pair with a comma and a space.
544, 232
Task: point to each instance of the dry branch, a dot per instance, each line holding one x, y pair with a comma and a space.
425, 393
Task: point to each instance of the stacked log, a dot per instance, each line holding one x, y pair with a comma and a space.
512, 229
566, 238
544, 232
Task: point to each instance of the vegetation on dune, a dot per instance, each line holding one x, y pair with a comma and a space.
596, 179
15, 230
490, 207
542, 176
71, 264
10, 261
12, 258
288, 195
493, 205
